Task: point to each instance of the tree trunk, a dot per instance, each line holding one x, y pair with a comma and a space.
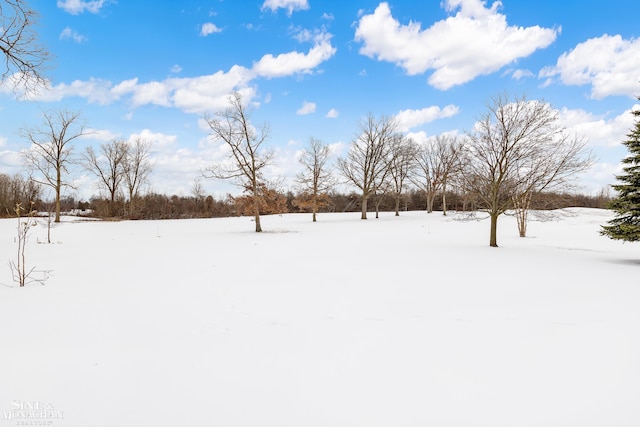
398, 205
314, 216
256, 210
112, 204
364, 207
57, 203
521, 217
257, 219
444, 200
493, 238
58, 188
430, 198
522, 205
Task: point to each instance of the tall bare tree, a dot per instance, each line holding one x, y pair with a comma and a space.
429, 171
248, 156
108, 166
199, 195
51, 150
401, 163
316, 180
553, 165
366, 163
136, 169
517, 148
25, 59
452, 157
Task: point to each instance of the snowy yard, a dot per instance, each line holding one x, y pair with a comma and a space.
400, 321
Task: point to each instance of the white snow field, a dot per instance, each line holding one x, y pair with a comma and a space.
395, 322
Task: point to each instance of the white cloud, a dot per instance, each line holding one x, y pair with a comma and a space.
100, 135
76, 7
610, 64
408, 119
68, 33
522, 74
303, 35
420, 137
157, 140
332, 113
202, 94
290, 63
12, 162
599, 131
175, 69
290, 5
475, 41
96, 91
210, 93
155, 93
209, 28
307, 108
193, 95
338, 148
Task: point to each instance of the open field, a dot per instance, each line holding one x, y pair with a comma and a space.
400, 321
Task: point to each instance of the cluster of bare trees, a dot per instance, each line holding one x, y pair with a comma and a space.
17, 191
121, 167
515, 151
382, 161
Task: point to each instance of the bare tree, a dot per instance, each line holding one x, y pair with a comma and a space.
366, 163
108, 166
199, 195
316, 180
438, 163
24, 59
552, 165
511, 155
429, 171
136, 169
452, 158
19, 268
400, 165
50, 153
248, 156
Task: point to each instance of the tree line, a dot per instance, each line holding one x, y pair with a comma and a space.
516, 151
17, 189
517, 157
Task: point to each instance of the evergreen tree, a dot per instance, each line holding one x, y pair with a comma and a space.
626, 225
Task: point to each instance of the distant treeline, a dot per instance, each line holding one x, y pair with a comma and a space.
14, 190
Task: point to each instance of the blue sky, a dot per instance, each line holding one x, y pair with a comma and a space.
316, 68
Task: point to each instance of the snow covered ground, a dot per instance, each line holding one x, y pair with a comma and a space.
400, 321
